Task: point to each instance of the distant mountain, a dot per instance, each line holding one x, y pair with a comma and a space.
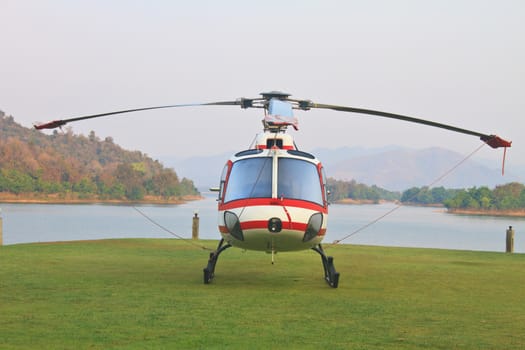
394, 168
205, 171
330, 156
398, 169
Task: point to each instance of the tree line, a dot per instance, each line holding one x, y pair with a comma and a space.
340, 189
77, 166
510, 196
427, 196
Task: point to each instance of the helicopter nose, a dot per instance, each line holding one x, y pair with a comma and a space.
275, 225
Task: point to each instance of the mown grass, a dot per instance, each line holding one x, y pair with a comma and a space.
149, 294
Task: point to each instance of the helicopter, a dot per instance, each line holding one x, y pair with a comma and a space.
273, 197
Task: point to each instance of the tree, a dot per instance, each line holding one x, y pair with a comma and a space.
131, 179
14, 181
165, 183
439, 194
508, 196
410, 194
92, 136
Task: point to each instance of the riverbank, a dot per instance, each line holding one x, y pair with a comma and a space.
478, 212
511, 213
351, 201
29, 198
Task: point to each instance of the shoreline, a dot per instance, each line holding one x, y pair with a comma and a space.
351, 201
479, 212
10, 198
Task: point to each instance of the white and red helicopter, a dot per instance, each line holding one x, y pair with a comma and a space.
273, 197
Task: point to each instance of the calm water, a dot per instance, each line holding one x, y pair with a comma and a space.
405, 227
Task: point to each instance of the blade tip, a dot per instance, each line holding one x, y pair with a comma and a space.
50, 125
495, 141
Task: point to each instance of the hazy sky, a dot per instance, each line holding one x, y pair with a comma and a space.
456, 62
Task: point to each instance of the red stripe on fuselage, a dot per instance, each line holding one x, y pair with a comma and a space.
253, 225
251, 202
283, 147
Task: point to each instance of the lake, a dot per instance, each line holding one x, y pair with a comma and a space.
405, 227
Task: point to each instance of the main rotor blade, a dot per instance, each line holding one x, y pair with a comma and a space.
493, 141
60, 122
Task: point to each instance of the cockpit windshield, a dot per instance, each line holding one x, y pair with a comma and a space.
299, 179
250, 178
296, 179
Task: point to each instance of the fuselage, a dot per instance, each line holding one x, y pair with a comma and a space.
273, 197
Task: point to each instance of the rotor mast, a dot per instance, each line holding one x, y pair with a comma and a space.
278, 112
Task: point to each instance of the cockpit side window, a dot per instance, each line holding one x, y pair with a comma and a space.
323, 181
250, 178
223, 179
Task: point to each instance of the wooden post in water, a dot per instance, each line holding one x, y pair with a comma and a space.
195, 226
510, 240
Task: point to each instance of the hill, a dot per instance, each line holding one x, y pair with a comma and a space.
393, 168
64, 166
397, 169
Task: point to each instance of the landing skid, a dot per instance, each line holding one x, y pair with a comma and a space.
209, 271
330, 275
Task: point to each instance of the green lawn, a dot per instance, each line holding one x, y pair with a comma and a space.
149, 294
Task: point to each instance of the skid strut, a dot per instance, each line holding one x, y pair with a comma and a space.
330, 275
209, 271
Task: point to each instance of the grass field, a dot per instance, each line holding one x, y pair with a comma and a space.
149, 294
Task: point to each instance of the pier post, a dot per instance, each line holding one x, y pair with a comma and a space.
510, 240
195, 226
